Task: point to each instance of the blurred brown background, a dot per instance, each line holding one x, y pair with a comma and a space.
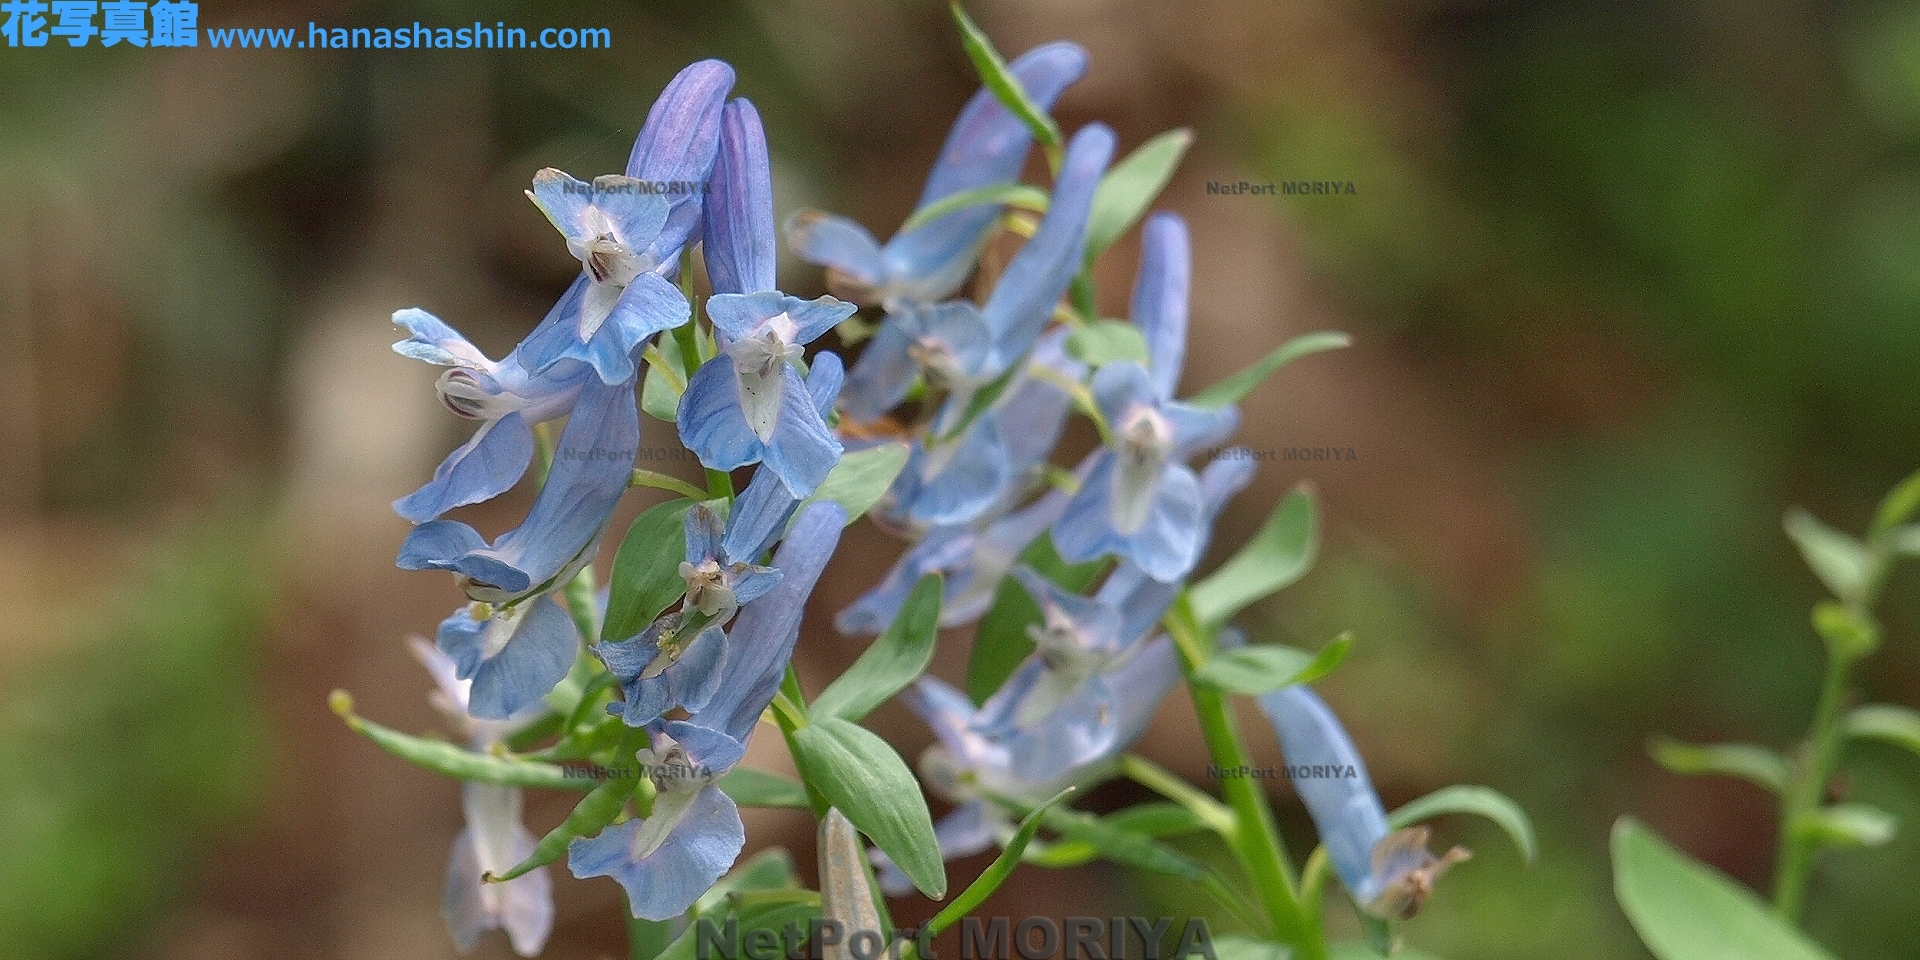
1626, 279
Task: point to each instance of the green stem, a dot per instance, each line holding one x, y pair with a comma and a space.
1164, 782
647, 939
1806, 791
1257, 838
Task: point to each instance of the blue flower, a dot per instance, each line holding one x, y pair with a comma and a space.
494, 839
960, 347
985, 469
668, 858
1390, 874
590, 471
503, 396
513, 654
1076, 743
750, 404
627, 233
987, 146
1141, 501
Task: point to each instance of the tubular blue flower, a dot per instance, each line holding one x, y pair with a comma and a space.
590, 472
628, 235
1075, 744
503, 396
1390, 874
972, 558
987, 146
956, 479
1141, 500
667, 859
493, 840
659, 669
513, 655
960, 347
750, 403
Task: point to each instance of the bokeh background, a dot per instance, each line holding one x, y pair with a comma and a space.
1627, 278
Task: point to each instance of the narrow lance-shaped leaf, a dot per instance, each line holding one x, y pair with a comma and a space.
997, 872
646, 571
1107, 341
1684, 910
1130, 187
1479, 801
1752, 763
901, 654
1838, 559
1281, 553
863, 776
1264, 668
1847, 825
1887, 723
758, 788
1006, 87
859, 480
1235, 388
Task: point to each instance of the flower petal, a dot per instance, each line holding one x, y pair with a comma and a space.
702, 843
484, 467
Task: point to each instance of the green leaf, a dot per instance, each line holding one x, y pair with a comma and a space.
1024, 196
1752, 763
1130, 188
1281, 553
1685, 910
759, 788
1122, 846
1107, 341
1903, 540
1239, 946
997, 872
901, 654
770, 869
1155, 820
1479, 801
1886, 723
859, 480
1899, 505
859, 773
455, 761
1840, 561
666, 380
1847, 825
1235, 388
995, 73
1001, 641
1265, 668
646, 571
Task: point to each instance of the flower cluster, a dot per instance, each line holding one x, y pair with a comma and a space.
945, 428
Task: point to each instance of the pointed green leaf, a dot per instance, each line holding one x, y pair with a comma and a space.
1840, 561
901, 654
1024, 196
1752, 763
646, 571
1685, 910
997, 872
589, 817
1264, 668
859, 773
999, 78
1899, 505
1899, 726
1130, 188
1107, 341
1281, 553
760, 788
1847, 825
1235, 388
1153, 820
1479, 801
1001, 641
455, 761
1850, 632
859, 480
